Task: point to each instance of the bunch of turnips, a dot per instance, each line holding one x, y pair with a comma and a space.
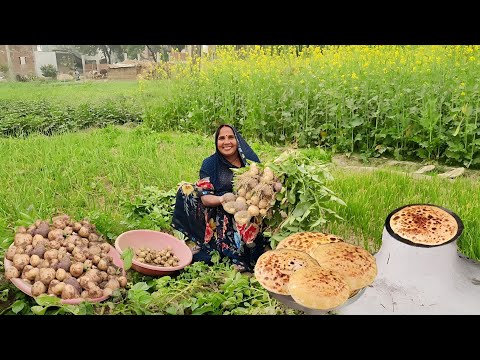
65, 258
254, 193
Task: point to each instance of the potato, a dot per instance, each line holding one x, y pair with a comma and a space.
54, 234
61, 217
112, 284
103, 264
68, 230
242, 217
254, 200
229, 207
105, 247
36, 239
11, 273
20, 261
11, 252
79, 257
32, 274
122, 280
60, 274
229, 197
31, 229
77, 226
253, 210
68, 292
94, 275
23, 239
35, 260
87, 264
84, 232
55, 244
39, 250
59, 224
240, 206
93, 237
54, 264
61, 253
26, 269
263, 204
58, 289
52, 285
51, 254
243, 193
76, 269
95, 292
38, 288
103, 275
47, 275
73, 282
96, 259
65, 263
29, 250
95, 250
42, 229
70, 247
43, 264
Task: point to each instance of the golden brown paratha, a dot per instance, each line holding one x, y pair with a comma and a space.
355, 264
318, 288
307, 241
274, 267
424, 224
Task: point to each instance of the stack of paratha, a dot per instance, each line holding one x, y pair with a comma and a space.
307, 241
424, 224
274, 267
319, 271
357, 266
318, 288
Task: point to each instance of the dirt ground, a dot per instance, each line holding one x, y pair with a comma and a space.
355, 163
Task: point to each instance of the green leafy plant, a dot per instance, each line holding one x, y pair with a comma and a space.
304, 203
48, 70
154, 207
127, 257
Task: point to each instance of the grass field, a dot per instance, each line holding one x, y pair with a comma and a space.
92, 173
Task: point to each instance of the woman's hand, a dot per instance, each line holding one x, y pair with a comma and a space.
212, 200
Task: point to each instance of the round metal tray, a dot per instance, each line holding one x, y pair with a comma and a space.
406, 241
288, 301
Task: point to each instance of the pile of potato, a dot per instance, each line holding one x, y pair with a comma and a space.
66, 258
164, 257
255, 194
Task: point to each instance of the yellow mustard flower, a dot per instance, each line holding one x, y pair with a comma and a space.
187, 189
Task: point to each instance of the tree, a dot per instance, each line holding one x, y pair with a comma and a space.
133, 50
49, 70
107, 50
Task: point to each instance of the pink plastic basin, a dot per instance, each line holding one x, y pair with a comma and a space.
27, 288
158, 241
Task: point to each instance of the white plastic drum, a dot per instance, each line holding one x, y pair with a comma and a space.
415, 279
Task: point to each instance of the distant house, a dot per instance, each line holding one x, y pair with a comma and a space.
19, 60
123, 71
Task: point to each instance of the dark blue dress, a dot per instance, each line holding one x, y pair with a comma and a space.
212, 228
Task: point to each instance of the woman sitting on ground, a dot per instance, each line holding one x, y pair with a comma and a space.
198, 212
